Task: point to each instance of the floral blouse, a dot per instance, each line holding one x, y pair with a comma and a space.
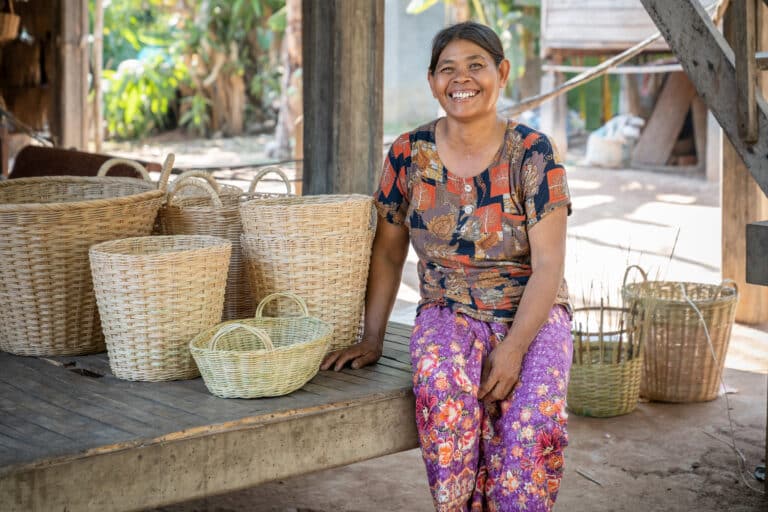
471, 234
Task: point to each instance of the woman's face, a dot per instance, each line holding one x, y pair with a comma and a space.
466, 81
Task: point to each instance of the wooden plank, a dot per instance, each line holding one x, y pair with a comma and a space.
699, 114
743, 13
757, 249
164, 473
343, 122
761, 60
743, 201
708, 61
662, 129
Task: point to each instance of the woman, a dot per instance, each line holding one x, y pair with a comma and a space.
484, 201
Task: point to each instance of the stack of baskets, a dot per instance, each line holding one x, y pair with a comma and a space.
607, 361
48, 225
262, 356
318, 247
686, 332
155, 293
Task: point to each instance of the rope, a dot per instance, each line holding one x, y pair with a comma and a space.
25, 128
715, 10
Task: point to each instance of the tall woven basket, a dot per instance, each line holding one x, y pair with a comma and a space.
198, 205
681, 365
47, 225
155, 294
607, 362
318, 247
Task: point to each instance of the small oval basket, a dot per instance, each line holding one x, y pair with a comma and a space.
262, 356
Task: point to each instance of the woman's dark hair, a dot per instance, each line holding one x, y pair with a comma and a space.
470, 31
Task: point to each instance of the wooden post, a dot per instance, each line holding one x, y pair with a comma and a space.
98, 40
742, 202
343, 56
743, 43
70, 82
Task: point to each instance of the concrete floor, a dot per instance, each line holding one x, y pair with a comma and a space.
660, 457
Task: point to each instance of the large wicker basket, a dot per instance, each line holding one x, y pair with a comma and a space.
318, 247
156, 293
47, 225
262, 356
607, 362
680, 363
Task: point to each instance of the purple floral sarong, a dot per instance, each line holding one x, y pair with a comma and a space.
497, 456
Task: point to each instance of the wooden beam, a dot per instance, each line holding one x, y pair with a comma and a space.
761, 60
343, 42
757, 252
708, 60
743, 13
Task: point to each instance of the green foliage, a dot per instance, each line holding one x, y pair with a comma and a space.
196, 118
140, 97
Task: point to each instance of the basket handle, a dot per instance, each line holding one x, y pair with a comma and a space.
198, 174
260, 334
109, 164
202, 185
727, 283
272, 296
266, 170
639, 269
165, 173
10, 5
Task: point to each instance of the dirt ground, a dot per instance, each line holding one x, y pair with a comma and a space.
660, 457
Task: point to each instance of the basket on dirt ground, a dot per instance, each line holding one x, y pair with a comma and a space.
681, 365
215, 212
607, 362
156, 293
262, 356
47, 225
9, 24
318, 247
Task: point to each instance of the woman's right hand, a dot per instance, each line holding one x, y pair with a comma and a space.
360, 354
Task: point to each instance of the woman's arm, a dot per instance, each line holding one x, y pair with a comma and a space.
390, 248
502, 367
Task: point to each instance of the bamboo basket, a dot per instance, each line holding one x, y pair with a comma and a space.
329, 271
9, 24
680, 365
607, 362
262, 356
156, 293
215, 213
48, 224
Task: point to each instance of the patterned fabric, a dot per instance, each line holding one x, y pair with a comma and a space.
471, 234
496, 456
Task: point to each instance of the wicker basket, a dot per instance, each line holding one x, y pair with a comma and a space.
9, 24
308, 215
607, 362
679, 363
263, 356
47, 225
156, 293
329, 271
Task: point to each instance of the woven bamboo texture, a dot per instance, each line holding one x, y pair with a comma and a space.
263, 356
329, 272
155, 294
47, 225
9, 24
680, 365
607, 362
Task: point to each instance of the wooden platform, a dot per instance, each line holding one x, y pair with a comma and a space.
73, 437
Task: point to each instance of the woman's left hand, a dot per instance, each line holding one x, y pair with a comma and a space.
501, 370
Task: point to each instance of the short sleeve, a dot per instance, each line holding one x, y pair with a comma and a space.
544, 181
392, 198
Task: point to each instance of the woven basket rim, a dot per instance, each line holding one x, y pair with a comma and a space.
324, 330
111, 247
306, 201
81, 204
634, 291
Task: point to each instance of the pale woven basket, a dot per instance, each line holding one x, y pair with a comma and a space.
48, 225
263, 356
214, 209
679, 362
329, 272
156, 293
607, 362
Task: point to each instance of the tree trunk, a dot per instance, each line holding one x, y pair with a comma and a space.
291, 95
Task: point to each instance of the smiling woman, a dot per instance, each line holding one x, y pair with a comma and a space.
483, 200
